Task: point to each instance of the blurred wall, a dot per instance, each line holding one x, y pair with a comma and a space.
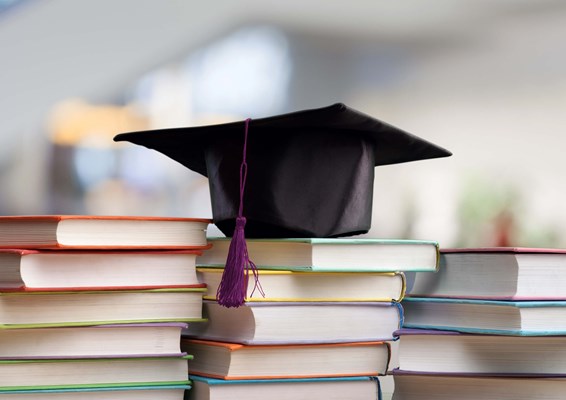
486, 81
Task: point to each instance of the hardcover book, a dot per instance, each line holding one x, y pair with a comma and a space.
77, 373
359, 388
225, 360
378, 255
522, 318
100, 341
445, 352
295, 322
101, 232
36, 309
504, 273
315, 286
97, 392
88, 270
433, 387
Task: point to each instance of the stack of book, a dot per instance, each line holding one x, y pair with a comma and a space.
319, 327
490, 325
94, 307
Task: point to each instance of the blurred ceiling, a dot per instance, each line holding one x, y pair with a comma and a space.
54, 49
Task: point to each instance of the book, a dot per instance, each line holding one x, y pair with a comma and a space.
445, 352
296, 322
77, 373
36, 309
425, 387
326, 254
278, 285
89, 270
149, 392
359, 388
496, 273
486, 316
101, 232
100, 341
225, 360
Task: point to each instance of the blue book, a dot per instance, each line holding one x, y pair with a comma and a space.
521, 318
359, 388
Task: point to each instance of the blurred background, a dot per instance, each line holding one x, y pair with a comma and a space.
485, 79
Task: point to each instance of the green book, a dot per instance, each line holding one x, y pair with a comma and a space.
93, 372
127, 392
331, 255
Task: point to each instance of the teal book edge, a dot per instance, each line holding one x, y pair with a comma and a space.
213, 381
485, 331
503, 303
498, 303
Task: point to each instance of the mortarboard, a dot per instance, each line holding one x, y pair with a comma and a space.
309, 173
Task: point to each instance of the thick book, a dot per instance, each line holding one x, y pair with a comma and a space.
446, 352
36, 309
278, 285
101, 232
88, 270
295, 322
97, 392
77, 373
522, 318
224, 360
433, 387
99, 341
496, 273
340, 388
326, 254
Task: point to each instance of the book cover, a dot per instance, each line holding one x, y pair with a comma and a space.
225, 360
46, 270
99, 392
296, 322
102, 232
98, 341
525, 250
302, 286
498, 273
213, 381
486, 316
77, 373
422, 386
83, 308
454, 353
330, 254
362, 388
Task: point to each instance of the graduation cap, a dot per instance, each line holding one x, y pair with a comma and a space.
307, 174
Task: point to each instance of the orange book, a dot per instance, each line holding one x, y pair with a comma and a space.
229, 361
102, 232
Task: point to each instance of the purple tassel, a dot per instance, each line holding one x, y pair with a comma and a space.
233, 286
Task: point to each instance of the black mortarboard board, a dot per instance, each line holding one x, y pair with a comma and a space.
310, 173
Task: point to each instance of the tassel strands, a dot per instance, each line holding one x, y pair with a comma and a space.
233, 286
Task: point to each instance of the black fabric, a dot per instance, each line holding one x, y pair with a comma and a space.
310, 173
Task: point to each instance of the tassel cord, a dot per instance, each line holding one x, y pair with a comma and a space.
233, 286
